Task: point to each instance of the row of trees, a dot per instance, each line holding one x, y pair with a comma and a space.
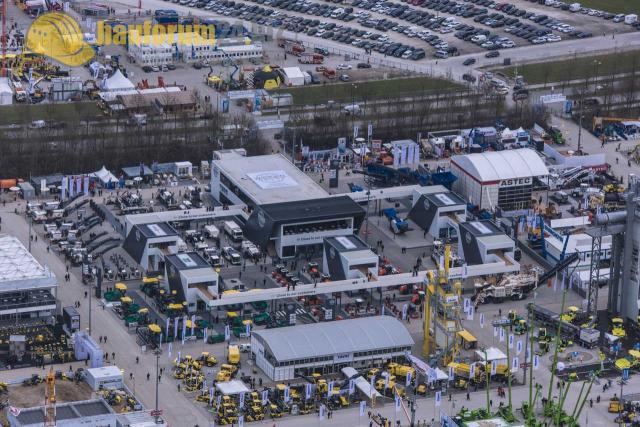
84, 142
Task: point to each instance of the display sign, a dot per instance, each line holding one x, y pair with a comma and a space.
516, 182
272, 179
553, 97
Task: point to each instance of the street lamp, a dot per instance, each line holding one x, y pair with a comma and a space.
157, 352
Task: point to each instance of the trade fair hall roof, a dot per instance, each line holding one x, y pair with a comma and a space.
501, 165
330, 338
270, 178
19, 269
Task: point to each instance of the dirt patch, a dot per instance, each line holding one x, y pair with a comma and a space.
66, 391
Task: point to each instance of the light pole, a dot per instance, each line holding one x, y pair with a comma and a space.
157, 352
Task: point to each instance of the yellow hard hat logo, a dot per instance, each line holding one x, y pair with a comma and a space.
59, 37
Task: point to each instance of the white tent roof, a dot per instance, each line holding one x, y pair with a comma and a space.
232, 387
118, 82
492, 354
105, 175
500, 165
293, 72
331, 338
4, 85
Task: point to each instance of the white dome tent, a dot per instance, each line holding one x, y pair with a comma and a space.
117, 82
107, 179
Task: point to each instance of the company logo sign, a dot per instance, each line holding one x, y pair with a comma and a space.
515, 182
58, 36
272, 179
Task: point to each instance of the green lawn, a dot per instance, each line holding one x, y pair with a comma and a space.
320, 94
24, 113
576, 68
613, 6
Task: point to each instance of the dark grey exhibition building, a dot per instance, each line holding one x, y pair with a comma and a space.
303, 225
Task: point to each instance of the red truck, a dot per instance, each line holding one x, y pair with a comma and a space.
294, 49
329, 73
311, 58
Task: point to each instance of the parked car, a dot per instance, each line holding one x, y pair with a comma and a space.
469, 61
344, 77
344, 67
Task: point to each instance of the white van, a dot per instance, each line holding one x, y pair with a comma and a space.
497, 83
351, 109
211, 231
57, 214
441, 54
38, 216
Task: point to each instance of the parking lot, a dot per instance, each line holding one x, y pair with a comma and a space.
418, 28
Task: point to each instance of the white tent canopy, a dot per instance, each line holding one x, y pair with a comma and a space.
118, 82
232, 387
6, 94
492, 354
104, 175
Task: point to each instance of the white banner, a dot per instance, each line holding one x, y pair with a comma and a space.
519, 347
451, 373
265, 396
352, 386
63, 188
170, 348
363, 407
227, 333
494, 367
536, 361
241, 421
404, 312
286, 394
321, 412
242, 399
408, 379
398, 403
482, 320
472, 370
511, 338
471, 312
501, 335
307, 392
495, 331
516, 364
86, 185
438, 398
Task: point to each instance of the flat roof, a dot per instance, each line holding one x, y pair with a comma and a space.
18, 266
158, 229
481, 228
187, 261
337, 337
64, 411
318, 209
445, 199
269, 178
347, 243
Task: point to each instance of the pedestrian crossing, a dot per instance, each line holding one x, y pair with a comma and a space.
299, 312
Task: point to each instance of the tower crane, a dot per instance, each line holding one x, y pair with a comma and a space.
50, 400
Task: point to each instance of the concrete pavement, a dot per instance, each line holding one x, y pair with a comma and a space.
104, 323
